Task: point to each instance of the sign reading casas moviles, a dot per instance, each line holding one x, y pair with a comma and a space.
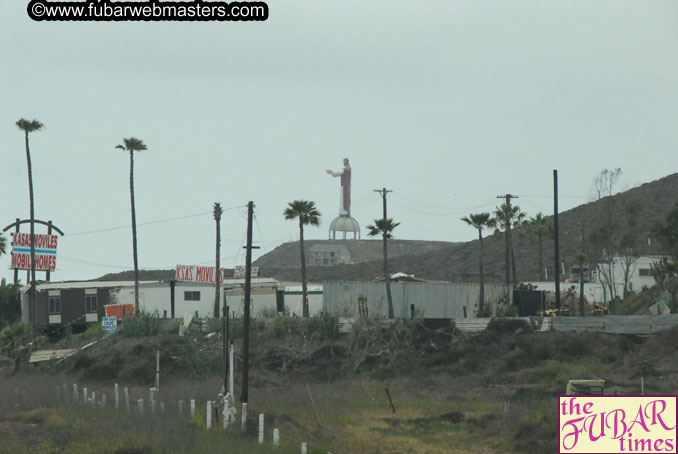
45, 251
200, 274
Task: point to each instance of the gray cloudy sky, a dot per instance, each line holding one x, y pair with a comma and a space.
448, 103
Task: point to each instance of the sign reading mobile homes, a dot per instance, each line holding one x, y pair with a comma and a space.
45, 252
200, 274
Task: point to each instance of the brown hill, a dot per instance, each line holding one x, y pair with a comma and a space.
458, 262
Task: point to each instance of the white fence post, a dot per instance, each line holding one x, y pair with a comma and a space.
208, 414
75, 392
115, 393
244, 416
192, 408
126, 392
84, 395
276, 437
94, 399
303, 448
261, 428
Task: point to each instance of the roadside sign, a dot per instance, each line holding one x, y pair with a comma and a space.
110, 324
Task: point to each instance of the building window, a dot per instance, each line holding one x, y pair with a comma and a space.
55, 305
91, 303
317, 261
331, 254
644, 272
191, 296
326, 262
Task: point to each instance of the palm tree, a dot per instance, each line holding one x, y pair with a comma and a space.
479, 221
385, 227
14, 340
28, 126
308, 214
3, 244
218, 211
539, 225
509, 216
133, 144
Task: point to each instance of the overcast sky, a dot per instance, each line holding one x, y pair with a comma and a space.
447, 103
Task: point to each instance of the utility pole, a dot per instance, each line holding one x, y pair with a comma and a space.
507, 238
383, 193
556, 272
217, 273
246, 308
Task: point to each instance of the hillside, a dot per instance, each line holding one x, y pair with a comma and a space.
458, 262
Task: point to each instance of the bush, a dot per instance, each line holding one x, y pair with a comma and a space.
322, 327
93, 332
143, 325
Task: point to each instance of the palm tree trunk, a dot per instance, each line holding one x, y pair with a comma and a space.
387, 276
513, 258
541, 259
217, 273
507, 259
304, 289
134, 233
481, 298
34, 292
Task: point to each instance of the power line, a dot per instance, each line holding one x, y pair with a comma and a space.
149, 223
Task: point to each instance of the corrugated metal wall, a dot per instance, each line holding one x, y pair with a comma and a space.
431, 300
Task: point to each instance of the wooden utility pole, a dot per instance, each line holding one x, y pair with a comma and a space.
383, 193
217, 272
507, 238
246, 304
556, 271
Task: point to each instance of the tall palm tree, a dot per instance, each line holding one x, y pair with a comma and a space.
308, 214
131, 145
218, 211
539, 225
480, 221
385, 228
28, 126
509, 216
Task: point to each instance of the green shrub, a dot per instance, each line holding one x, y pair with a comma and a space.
93, 332
143, 325
324, 326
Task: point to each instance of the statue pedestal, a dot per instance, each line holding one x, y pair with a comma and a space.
344, 224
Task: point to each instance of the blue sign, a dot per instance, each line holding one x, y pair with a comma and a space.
110, 324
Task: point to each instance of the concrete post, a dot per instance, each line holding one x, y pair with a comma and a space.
208, 414
115, 396
276, 437
84, 395
180, 404
75, 392
303, 448
126, 392
94, 399
244, 416
261, 428
192, 408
